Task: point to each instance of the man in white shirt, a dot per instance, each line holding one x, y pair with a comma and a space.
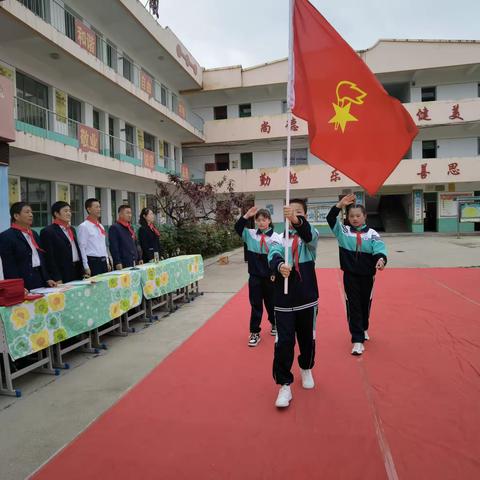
93, 240
61, 246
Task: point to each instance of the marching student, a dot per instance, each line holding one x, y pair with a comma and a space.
92, 239
260, 285
21, 251
362, 253
123, 240
61, 246
296, 312
148, 235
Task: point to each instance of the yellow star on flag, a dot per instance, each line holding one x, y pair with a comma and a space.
342, 116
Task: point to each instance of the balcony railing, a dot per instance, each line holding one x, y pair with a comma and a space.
73, 27
42, 122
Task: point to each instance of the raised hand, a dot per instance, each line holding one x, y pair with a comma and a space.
250, 213
347, 200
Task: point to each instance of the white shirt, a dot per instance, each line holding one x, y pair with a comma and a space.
1, 270
92, 242
35, 256
75, 256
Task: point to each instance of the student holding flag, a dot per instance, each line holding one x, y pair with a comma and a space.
296, 311
260, 286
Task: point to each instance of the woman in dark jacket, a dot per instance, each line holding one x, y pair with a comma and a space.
148, 235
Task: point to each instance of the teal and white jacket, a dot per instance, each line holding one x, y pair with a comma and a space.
302, 282
360, 248
257, 250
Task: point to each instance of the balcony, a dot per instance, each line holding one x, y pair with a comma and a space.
307, 177
33, 37
43, 123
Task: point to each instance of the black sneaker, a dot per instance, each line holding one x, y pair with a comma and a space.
273, 331
254, 339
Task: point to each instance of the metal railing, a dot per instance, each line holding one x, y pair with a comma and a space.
45, 123
65, 22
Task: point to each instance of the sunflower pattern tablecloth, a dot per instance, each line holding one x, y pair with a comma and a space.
79, 307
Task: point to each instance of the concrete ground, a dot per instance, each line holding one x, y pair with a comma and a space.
53, 411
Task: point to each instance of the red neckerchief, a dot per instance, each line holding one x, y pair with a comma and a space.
358, 232
66, 226
153, 228
296, 254
97, 224
263, 242
29, 232
130, 229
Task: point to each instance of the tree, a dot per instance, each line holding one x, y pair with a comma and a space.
184, 202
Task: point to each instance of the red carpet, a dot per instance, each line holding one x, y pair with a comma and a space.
408, 409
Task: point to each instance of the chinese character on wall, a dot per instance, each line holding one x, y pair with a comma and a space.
265, 127
293, 178
423, 173
422, 114
455, 113
293, 125
265, 180
335, 176
453, 169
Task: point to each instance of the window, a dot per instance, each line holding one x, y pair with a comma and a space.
98, 45
284, 106
98, 194
429, 149
133, 204
246, 161
32, 101
149, 141
429, 94
166, 149
111, 136
111, 56
113, 201
76, 204
299, 156
127, 68
164, 95
69, 25
74, 116
36, 6
220, 113
174, 103
130, 142
245, 110
37, 194
96, 119
222, 161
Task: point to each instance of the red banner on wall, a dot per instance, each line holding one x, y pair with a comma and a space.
146, 83
149, 159
85, 37
185, 172
181, 110
89, 139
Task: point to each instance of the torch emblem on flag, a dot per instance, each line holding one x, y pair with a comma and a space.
348, 93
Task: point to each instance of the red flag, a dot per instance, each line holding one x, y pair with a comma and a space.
353, 124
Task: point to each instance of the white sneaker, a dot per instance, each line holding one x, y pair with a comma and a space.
254, 339
367, 337
358, 348
284, 397
307, 379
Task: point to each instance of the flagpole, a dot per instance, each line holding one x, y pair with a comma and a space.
290, 102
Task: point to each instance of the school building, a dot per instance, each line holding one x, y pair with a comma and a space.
106, 102
438, 81
98, 109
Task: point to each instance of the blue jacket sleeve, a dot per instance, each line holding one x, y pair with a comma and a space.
114, 244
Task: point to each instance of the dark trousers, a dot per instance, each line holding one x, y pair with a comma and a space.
358, 297
260, 291
97, 265
74, 273
35, 280
302, 324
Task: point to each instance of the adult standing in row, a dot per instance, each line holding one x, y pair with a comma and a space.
92, 239
21, 251
148, 235
123, 240
61, 246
